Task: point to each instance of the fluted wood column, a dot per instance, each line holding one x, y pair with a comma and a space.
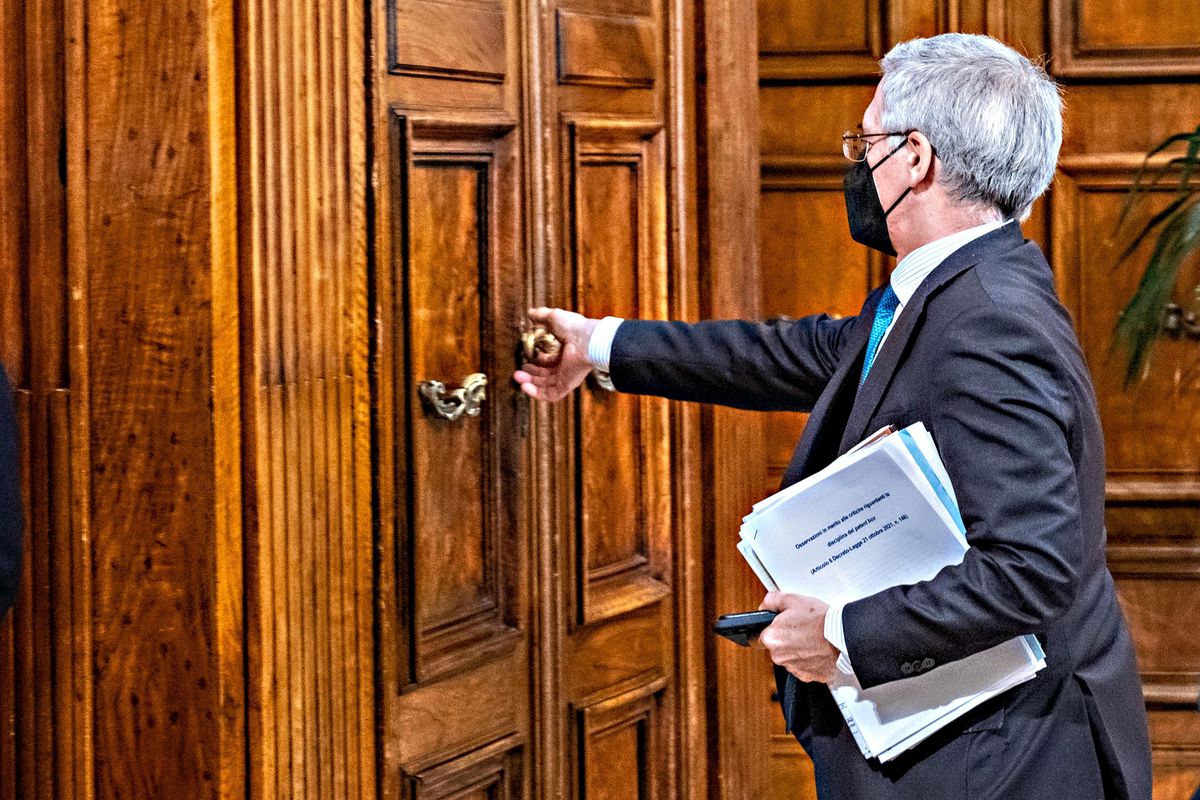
302, 251
183, 311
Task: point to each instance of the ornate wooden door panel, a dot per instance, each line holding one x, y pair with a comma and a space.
528, 622
460, 504
450, 284
619, 639
623, 641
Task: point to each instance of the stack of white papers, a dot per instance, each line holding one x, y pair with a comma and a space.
882, 515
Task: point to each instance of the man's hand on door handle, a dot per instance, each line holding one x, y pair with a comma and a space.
552, 378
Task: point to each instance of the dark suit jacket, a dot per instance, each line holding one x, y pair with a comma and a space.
985, 355
10, 499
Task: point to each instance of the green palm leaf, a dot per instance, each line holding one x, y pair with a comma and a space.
1150, 225
1140, 323
1193, 140
1177, 228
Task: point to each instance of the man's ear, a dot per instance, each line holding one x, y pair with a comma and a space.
919, 159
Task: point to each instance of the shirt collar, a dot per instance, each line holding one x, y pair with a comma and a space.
916, 266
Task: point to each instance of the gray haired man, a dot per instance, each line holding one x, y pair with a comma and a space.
969, 337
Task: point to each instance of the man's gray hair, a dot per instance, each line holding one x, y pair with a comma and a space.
994, 117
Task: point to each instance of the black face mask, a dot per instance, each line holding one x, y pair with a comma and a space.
868, 220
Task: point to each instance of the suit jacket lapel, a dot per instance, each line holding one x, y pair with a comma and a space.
871, 393
845, 371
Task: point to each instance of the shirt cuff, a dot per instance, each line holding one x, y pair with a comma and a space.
837, 637
600, 345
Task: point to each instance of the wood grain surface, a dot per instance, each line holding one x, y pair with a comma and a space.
237, 235
306, 447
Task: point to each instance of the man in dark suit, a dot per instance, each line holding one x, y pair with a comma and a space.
10, 499
968, 337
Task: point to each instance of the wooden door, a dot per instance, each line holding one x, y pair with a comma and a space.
451, 281
533, 570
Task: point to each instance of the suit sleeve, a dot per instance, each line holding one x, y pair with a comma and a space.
781, 365
11, 522
1001, 414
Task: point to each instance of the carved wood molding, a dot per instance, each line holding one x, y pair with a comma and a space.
80, 768
1175, 755
1159, 561
1106, 170
1171, 691
411, 50
1071, 58
631, 706
437, 132
481, 630
301, 280
492, 768
802, 173
797, 62
635, 144
1152, 487
606, 50
46, 667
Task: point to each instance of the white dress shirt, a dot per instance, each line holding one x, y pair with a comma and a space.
912, 270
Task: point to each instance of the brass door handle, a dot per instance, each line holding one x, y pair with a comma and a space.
539, 340
467, 400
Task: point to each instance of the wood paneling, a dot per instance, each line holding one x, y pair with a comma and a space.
533, 549
450, 276
1124, 39
44, 666
156, 273
460, 586
603, 50
615, 540
1100, 118
236, 497
307, 445
420, 43
822, 38
617, 248
1149, 454
615, 494
799, 276
808, 120
734, 440
619, 741
812, 89
1153, 482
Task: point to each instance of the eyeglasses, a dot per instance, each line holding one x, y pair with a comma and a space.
855, 144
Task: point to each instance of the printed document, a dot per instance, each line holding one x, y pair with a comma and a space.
882, 515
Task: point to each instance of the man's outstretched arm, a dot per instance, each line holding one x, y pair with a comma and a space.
779, 365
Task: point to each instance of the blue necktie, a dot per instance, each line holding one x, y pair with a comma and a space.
884, 312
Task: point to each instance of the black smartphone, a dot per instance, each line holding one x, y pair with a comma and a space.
743, 627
